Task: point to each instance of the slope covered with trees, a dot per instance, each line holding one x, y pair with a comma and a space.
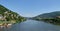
7, 16
53, 17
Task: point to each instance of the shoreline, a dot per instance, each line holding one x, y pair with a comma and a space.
5, 25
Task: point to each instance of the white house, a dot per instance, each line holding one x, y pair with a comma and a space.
1, 17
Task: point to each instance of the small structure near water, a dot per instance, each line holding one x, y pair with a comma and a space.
5, 25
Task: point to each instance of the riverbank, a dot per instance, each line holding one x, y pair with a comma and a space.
5, 25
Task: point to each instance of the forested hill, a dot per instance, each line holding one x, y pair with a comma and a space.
8, 16
53, 17
49, 15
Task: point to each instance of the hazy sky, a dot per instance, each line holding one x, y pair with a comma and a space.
30, 8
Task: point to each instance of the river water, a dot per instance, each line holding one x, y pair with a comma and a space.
32, 25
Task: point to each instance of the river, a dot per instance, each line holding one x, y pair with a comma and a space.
32, 25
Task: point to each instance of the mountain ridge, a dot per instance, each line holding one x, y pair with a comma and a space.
51, 14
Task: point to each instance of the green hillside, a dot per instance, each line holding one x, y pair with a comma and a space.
53, 17
8, 16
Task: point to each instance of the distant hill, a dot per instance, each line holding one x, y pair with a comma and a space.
49, 15
53, 17
8, 16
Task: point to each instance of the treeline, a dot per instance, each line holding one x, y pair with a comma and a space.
55, 20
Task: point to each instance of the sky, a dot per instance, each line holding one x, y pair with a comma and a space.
31, 8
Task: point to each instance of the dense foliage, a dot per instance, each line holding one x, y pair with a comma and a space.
7, 16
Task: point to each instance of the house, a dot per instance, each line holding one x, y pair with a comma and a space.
6, 12
58, 17
1, 17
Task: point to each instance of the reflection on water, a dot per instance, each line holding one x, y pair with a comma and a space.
32, 25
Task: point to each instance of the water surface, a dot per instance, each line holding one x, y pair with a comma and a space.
33, 25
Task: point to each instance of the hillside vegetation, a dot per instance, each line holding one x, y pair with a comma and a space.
53, 17
7, 16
